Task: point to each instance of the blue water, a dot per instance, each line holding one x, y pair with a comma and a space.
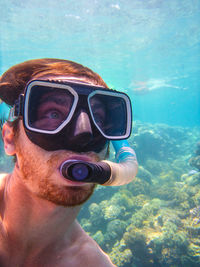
129, 43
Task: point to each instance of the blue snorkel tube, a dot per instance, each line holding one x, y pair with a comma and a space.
105, 172
125, 168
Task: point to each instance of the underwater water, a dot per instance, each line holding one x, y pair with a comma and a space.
149, 49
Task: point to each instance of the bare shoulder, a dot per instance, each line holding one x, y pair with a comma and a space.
90, 254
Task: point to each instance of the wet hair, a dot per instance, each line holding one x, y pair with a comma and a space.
14, 80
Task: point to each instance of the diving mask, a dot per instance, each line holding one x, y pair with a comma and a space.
50, 110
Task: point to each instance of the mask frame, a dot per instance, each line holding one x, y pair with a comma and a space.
77, 89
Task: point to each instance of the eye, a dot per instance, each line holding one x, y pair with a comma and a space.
99, 118
53, 114
98, 110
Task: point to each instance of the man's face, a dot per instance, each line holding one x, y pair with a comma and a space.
40, 168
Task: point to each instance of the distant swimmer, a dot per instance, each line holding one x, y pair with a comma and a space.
143, 87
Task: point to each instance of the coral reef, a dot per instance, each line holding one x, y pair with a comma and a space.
161, 142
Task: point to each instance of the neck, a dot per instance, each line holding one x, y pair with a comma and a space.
29, 219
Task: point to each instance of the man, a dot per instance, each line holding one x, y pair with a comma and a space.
39, 205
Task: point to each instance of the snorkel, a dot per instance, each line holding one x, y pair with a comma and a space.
105, 172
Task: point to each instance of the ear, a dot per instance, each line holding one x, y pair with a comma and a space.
8, 139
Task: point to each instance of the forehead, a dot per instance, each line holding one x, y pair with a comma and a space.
55, 96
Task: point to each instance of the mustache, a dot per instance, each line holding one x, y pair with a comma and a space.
61, 155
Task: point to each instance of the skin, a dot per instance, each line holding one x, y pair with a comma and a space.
38, 209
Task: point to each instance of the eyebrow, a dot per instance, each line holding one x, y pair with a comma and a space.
57, 99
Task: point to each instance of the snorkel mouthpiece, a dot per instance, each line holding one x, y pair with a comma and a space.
104, 172
82, 171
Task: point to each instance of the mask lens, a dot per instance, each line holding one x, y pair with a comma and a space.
110, 114
48, 108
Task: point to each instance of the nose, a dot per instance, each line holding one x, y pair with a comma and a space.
83, 125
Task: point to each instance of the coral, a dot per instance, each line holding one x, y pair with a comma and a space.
148, 210
87, 226
170, 216
138, 187
126, 199
193, 257
102, 194
168, 247
150, 143
175, 196
179, 166
164, 192
99, 238
94, 209
145, 175
170, 176
135, 239
123, 198
191, 190
139, 201
196, 197
180, 196
195, 162
185, 205
115, 229
121, 258
169, 257
112, 212
96, 214
159, 141
155, 167
191, 179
